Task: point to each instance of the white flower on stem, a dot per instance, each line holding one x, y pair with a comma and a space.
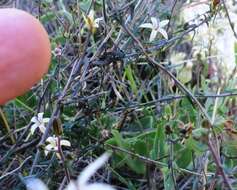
156, 27
54, 143
39, 122
57, 51
87, 173
82, 180
91, 22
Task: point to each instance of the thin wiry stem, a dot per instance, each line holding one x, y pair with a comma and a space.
6, 125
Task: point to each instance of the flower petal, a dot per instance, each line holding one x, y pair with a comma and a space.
91, 15
34, 119
42, 128
65, 143
95, 25
35, 184
163, 23
146, 25
153, 35
91, 169
51, 140
71, 186
155, 22
46, 120
40, 116
97, 20
46, 152
32, 128
49, 147
86, 19
97, 186
163, 32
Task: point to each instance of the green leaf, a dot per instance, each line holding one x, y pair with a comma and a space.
26, 101
184, 157
85, 5
200, 132
119, 140
135, 164
147, 122
125, 181
140, 148
48, 17
235, 53
196, 146
129, 75
185, 74
168, 110
168, 181
159, 145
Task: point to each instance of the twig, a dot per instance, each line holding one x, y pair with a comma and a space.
11, 151
62, 185
215, 107
172, 13
6, 125
229, 19
150, 161
15, 170
171, 165
219, 165
60, 151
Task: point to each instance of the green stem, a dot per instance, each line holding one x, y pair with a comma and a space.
6, 125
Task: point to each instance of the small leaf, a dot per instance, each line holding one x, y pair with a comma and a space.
196, 146
235, 53
185, 73
184, 157
48, 17
200, 132
159, 145
168, 181
129, 75
147, 122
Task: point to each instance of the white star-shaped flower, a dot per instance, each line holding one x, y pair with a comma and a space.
156, 27
39, 122
91, 22
53, 143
